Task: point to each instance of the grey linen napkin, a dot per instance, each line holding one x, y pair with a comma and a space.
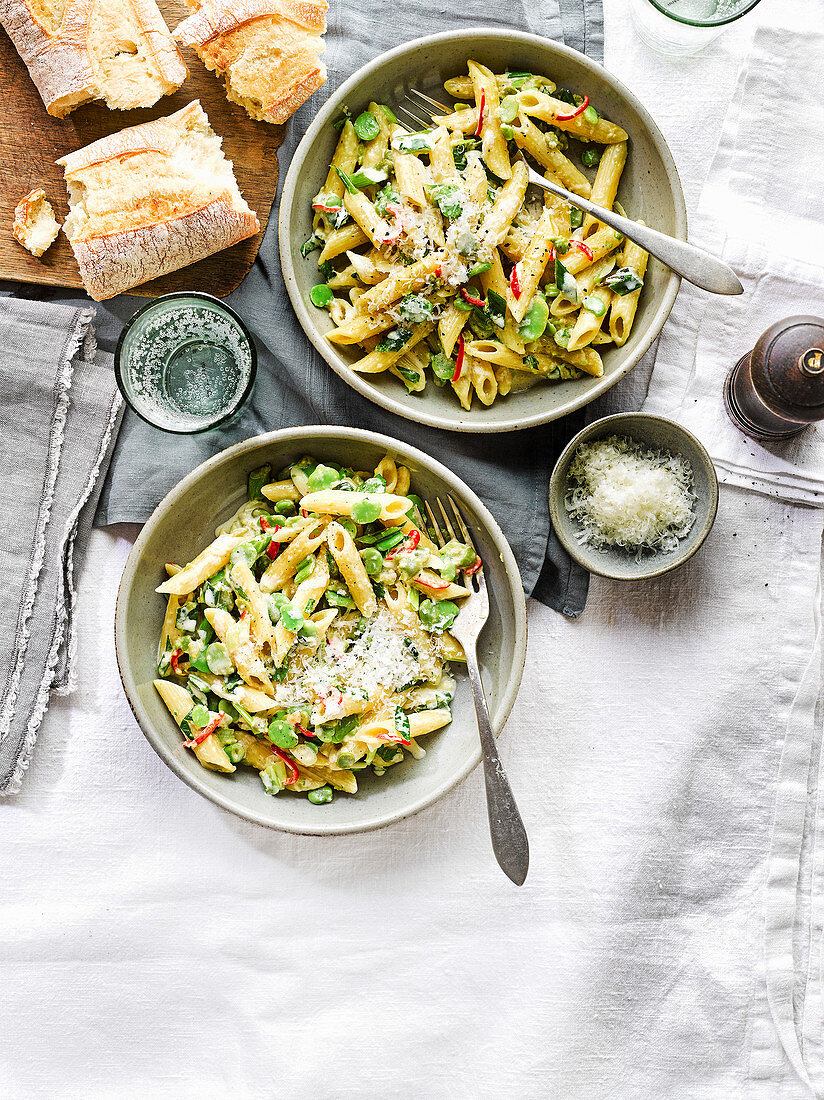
59, 413
510, 471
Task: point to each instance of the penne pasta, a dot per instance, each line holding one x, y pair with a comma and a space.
329, 628
431, 241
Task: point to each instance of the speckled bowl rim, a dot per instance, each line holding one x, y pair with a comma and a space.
506, 423
305, 435
593, 430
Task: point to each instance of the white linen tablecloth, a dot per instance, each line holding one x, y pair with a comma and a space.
667, 942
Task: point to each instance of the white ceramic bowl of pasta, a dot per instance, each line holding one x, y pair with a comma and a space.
184, 522
650, 190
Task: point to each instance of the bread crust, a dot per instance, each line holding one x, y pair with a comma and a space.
117, 262
267, 51
149, 232
60, 63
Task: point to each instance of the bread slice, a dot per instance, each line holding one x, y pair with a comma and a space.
119, 51
35, 225
152, 199
267, 50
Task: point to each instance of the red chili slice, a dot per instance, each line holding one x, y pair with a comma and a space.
587, 251
304, 731
205, 732
411, 541
578, 111
327, 209
460, 361
265, 525
474, 567
394, 739
294, 774
439, 271
175, 657
480, 126
552, 254
433, 587
273, 549
514, 282
467, 297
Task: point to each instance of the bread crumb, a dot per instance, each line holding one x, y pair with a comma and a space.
35, 225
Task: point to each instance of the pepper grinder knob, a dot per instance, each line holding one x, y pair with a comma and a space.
776, 390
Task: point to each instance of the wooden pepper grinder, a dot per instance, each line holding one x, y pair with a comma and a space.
776, 390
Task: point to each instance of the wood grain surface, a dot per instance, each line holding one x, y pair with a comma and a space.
31, 141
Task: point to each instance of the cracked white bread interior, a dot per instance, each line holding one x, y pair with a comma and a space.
267, 50
119, 51
152, 199
35, 225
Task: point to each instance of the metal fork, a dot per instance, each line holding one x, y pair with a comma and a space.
691, 263
509, 840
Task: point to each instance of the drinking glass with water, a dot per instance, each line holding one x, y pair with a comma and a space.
682, 27
185, 362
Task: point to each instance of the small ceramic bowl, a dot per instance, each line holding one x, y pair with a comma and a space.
185, 522
650, 190
655, 431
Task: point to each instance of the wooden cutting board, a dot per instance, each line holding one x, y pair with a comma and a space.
31, 141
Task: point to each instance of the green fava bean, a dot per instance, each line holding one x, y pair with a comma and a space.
285, 508
280, 733
320, 795
323, 477
291, 618
372, 561
366, 511
508, 110
535, 320
321, 295
367, 126
438, 615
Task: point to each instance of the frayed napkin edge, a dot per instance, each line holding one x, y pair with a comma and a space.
80, 327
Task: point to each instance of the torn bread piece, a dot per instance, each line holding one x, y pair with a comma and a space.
119, 51
35, 225
267, 51
152, 199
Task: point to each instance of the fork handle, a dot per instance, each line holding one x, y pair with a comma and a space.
691, 263
509, 839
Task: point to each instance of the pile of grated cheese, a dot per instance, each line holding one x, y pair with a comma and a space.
629, 495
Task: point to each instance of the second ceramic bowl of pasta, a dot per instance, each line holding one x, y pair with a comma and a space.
649, 190
184, 523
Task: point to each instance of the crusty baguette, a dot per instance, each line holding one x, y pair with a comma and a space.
267, 50
152, 199
35, 225
119, 51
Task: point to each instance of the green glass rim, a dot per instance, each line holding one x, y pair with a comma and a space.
703, 23
241, 324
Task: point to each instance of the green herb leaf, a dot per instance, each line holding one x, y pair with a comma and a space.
394, 340
310, 244
623, 281
496, 307
346, 180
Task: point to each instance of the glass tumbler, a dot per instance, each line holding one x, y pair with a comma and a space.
684, 27
185, 362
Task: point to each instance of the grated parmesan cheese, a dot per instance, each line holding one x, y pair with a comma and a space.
629, 495
384, 659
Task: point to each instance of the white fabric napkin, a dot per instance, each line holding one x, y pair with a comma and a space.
761, 210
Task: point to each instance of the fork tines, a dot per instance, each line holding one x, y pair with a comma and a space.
459, 524
439, 108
